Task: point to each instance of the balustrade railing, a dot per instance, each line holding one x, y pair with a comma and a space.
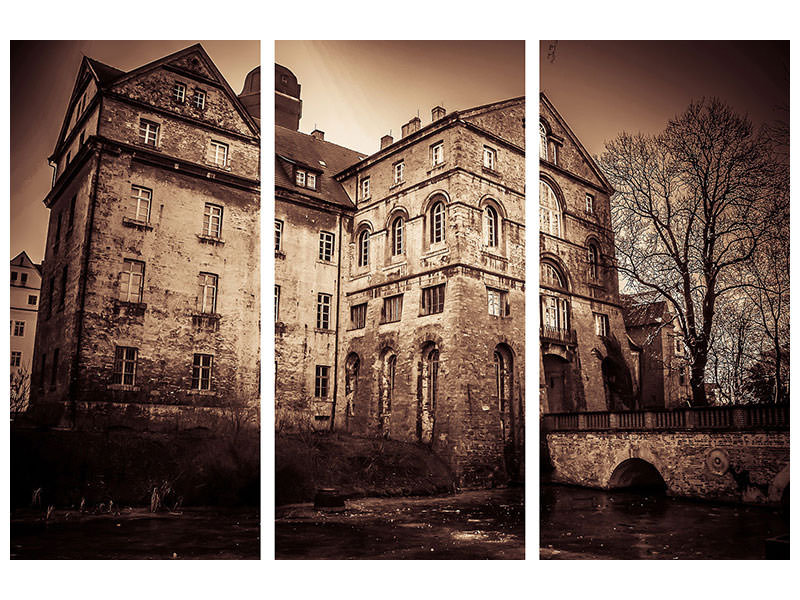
747, 416
560, 336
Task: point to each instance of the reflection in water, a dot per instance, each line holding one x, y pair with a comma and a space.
630, 524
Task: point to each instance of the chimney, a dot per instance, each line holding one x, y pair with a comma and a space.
318, 135
411, 127
437, 112
386, 141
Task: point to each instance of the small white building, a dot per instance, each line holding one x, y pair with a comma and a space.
26, 281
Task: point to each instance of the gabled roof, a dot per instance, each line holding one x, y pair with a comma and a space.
641, 314
581, 149
293, 148
23, 260
105, 73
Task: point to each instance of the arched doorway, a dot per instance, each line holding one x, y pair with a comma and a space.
637, 474
428, 393
557, 380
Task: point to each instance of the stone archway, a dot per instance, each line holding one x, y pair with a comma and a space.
636, 473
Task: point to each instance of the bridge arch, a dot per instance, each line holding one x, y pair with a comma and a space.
636, 473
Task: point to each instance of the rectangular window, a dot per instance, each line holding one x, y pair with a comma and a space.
589, 203
63, 296
489, 156
16, 358
14, 276
305, 179
131, 281
601, 324
358, 316
325, 246
179, 92
392, 309
57, 239
433, 299
311, 181
437, 154
212, 220
139, 209
365, 188
323, 311
199, 99
23, 278
201, 371
19, 328
399, 169
219, 154
207, 295
321, 381
555, 313
32, 300
278, 235
277, 303
148, 132
125, 365
72, 211
498, 302
54, 368
300, 178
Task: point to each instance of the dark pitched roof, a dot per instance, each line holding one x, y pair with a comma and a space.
295, 148
105, 73
640, 314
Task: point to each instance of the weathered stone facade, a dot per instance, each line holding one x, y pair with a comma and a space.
152, 255
426, 335
586, 360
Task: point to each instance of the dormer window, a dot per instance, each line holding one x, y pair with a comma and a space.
199, 100
179, 92
306, 179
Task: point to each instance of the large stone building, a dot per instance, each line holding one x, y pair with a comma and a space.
587, 360
26, 281
150, 301
400, 283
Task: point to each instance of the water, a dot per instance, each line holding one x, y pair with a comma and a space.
585, 523
138, 534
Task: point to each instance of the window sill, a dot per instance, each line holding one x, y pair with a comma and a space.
206, 320
357, 328
140, 306
492, 172
153, 147
226, 168
397, 185
491, 251
389, 322
210, 239
121, 387
439, 167
134, 224
328, 263
427, 314
201, 393
326, 331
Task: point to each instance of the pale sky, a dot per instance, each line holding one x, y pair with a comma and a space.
42, 77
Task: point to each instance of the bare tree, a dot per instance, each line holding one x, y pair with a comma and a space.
692, 205
20, 389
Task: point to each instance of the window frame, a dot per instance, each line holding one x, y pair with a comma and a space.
492, 226
490, 154
136, 196
358, 316
398, 236
207, 281
322, 381
202, 373
208, 219
550, 217
131, 274
277, 303
398, 170
125, 366
16, 358
145, 127
437, 154
327, 244
362, 247
500, 303
437, 231
215, 147
278, 235
324, 304
602, 325
395, 303
365, 188
200, 95
19, 328
432, 299
179, 92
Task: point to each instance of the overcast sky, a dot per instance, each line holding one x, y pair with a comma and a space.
604, 88
42, 77
357, 92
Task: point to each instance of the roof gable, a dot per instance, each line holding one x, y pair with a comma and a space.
23, 260
505, 119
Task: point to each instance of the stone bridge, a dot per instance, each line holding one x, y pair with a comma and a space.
727, 453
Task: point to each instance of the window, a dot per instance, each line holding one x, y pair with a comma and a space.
365, 188
57, 239
179, 92
433, 299
498, 303
148, 132
391, 372
63, 296
23, 278
16, 358
278, 235
542, 141
131, 280
589, 204
489, 157
325, 246
323, 311
14, 275
399, 168
212, 220
311, 181
552, 277
19, 328
51, 289
125, 365
398, 244
358, 316
71, 220
277, 302
392, 309
201, 371
300, 178
219, 154
32, 300
363, 248
140, 204
437, 223
305, 179
492, 226
437, 154
601, 324
321, 381
593, 258
207, 294
199, 99
54, 368
549, 210
555, 313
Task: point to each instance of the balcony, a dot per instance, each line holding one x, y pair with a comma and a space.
554, 335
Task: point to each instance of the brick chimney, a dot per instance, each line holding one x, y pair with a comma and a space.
411, 127
437, 112
386, 141
318, 134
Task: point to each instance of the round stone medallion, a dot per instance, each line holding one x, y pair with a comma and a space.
717, 461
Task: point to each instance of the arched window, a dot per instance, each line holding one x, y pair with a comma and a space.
594, 260
429, 394
549, 210
542, 141
552, 276
363, 248
503, 367
492, 227
437, 223
391, 368
398, 243
352, 365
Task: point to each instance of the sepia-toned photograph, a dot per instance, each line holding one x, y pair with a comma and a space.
399, 300
664, 299
135, 300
